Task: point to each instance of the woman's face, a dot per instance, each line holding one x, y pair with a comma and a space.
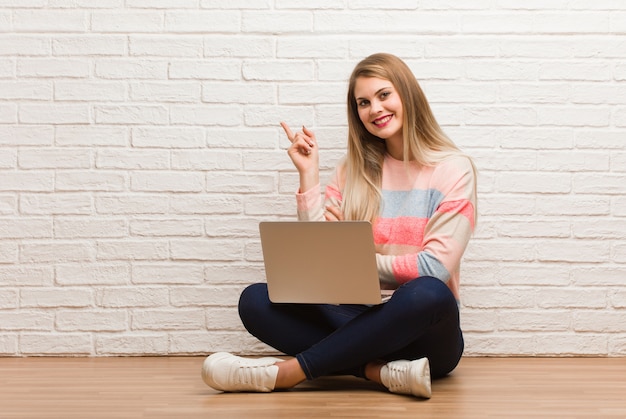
379, 107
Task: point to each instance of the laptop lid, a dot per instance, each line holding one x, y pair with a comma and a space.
320, 262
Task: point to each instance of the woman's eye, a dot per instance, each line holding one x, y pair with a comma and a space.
384, 95
363, 103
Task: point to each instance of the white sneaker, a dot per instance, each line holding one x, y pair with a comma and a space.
407, 377
226, 372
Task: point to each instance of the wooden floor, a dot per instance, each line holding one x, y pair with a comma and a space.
154, 387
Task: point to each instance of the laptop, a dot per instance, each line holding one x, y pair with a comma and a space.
320, 262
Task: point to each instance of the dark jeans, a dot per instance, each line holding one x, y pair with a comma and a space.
420, 320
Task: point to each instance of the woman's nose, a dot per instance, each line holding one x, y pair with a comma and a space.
375, 107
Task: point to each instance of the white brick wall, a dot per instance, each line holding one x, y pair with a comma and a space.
140, 147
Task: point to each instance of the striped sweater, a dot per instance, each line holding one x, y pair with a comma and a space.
426, 219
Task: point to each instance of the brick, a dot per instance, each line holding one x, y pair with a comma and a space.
31, 181
307, 47
92, 4
126, 22
131, 114
56, 204
567, 344
54, 114
52, 67
167, 228
131, 250
79, 181
576, 251
206, 250
175, 92
166, 46
50, 20
153, 344
258, 93
92, 274
90, 91
91, 320
9, 299
142, 69
167, 182
26, 90
131, 204
207, 204
190, 319
25, 228
567, 161
531, 182
238, 4
25, 275
8, 114
215, 115
591, 183
232, 227
206, 160
122, 297
206, 70
26, 45
130, 159
82, 227
78, 135
8, 160
56, 252
89, 45
257, 138
167, 273
25, 135
227, 21
54, 158
56, 344
26, 320
51, 297
610, 321
309, 93
162, 4
240, 182
227, 46
574, 71
205, 296
167, 137
8, 204
286, 70
532, 321
8, 344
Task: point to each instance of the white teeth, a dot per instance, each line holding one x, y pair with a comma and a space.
382, 121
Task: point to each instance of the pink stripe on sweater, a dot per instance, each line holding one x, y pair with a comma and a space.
401, 230
462, 206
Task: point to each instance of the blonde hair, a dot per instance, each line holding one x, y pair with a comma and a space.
424, 140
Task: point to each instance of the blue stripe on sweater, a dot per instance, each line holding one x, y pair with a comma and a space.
420, 203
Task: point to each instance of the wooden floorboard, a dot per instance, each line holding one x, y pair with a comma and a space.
164, 387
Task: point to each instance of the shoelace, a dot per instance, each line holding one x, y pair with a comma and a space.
248, 374
397, 378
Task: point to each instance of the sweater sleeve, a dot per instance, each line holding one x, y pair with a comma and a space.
311, 206
446, 233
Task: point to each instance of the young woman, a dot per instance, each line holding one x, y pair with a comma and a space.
418, 190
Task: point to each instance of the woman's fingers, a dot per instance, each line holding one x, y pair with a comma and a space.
290, 134
333, 213
302, 141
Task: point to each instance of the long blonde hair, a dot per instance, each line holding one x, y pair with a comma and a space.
424, 140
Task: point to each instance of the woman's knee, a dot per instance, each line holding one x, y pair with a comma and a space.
250, 298
427, 292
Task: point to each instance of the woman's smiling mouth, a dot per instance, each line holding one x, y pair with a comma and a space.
382, 121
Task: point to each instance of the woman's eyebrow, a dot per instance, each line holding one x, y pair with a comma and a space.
377, 92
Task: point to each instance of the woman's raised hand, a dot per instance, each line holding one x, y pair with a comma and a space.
304, 154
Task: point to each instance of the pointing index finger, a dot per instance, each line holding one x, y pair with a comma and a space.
290, 134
